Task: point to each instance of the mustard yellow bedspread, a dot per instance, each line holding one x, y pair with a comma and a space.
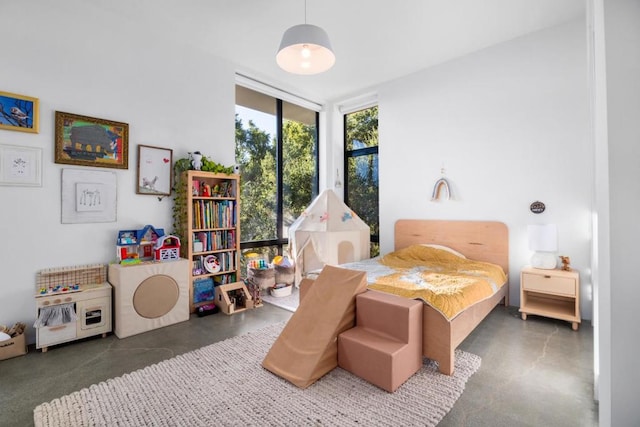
445, 281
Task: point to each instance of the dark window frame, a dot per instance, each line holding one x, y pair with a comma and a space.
280, 241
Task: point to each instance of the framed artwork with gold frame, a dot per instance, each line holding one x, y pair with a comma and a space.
19, 112
89, 141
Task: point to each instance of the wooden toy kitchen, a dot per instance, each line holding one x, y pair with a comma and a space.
72, 303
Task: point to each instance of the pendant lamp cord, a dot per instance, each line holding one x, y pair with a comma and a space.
305, 12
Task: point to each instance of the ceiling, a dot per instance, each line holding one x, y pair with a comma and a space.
374, 40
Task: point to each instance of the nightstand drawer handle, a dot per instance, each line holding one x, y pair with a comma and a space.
547, 277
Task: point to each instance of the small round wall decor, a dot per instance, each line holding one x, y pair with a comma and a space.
537, 207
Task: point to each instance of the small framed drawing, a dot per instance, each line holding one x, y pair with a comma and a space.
88, 196
154, 170
18, 112
20, 166
88, 141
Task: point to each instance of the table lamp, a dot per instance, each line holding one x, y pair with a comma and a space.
543, 240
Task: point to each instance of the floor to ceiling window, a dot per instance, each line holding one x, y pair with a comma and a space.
361, 166
277, 150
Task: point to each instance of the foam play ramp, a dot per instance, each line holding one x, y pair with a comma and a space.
307, 347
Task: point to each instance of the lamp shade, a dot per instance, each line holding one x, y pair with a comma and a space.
305, 49
543, 238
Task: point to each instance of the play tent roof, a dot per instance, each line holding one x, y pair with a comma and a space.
327, 233
328, 213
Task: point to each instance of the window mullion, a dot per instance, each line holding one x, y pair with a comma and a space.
279, 171
345, 166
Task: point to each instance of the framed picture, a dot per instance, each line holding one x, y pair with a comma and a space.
88, 196
154, 170
88, 141
18, 112
20, 166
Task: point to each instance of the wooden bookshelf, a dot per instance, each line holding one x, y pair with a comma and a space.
208, 222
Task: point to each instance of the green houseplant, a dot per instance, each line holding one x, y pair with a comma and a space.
179, 200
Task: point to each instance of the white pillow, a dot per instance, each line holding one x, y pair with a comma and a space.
444, 248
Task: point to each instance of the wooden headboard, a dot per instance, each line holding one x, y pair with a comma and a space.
479, 240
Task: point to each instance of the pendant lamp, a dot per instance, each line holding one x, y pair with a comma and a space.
305, 49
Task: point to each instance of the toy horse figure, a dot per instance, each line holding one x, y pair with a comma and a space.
149, 184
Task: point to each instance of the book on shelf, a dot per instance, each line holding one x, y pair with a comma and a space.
203, 290
214, 214
204, 238
224, 279
215, 240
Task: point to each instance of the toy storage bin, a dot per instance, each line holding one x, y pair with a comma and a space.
262, 277
284, 274
13, 347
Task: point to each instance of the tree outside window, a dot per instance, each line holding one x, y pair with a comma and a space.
276, 148
361, 166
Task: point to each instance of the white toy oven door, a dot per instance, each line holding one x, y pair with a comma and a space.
93, 316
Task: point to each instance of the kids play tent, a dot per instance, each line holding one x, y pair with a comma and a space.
327, 232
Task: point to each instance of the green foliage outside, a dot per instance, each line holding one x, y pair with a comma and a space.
362, 126
299, 142
180, 188
362, 170
256, 155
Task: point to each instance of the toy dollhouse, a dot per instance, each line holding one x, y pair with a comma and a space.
167, 248
134, 246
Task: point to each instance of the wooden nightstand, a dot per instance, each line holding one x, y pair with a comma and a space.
550, 293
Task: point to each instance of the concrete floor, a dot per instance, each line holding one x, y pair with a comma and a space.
534, 373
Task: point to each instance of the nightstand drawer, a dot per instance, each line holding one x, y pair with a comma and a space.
549, 284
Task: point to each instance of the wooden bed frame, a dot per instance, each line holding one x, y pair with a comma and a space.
478, 240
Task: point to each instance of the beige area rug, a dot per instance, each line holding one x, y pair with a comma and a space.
224, 384
290, 302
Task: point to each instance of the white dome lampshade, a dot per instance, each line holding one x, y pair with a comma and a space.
305, 49
543, 239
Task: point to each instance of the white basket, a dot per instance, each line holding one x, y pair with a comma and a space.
281, 292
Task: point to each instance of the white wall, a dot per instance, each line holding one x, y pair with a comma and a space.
170, 96
622, 38
510, 126
601, 244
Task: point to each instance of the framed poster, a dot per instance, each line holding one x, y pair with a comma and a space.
19, 112
154, 170
88, 196
88, 141
20, 166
